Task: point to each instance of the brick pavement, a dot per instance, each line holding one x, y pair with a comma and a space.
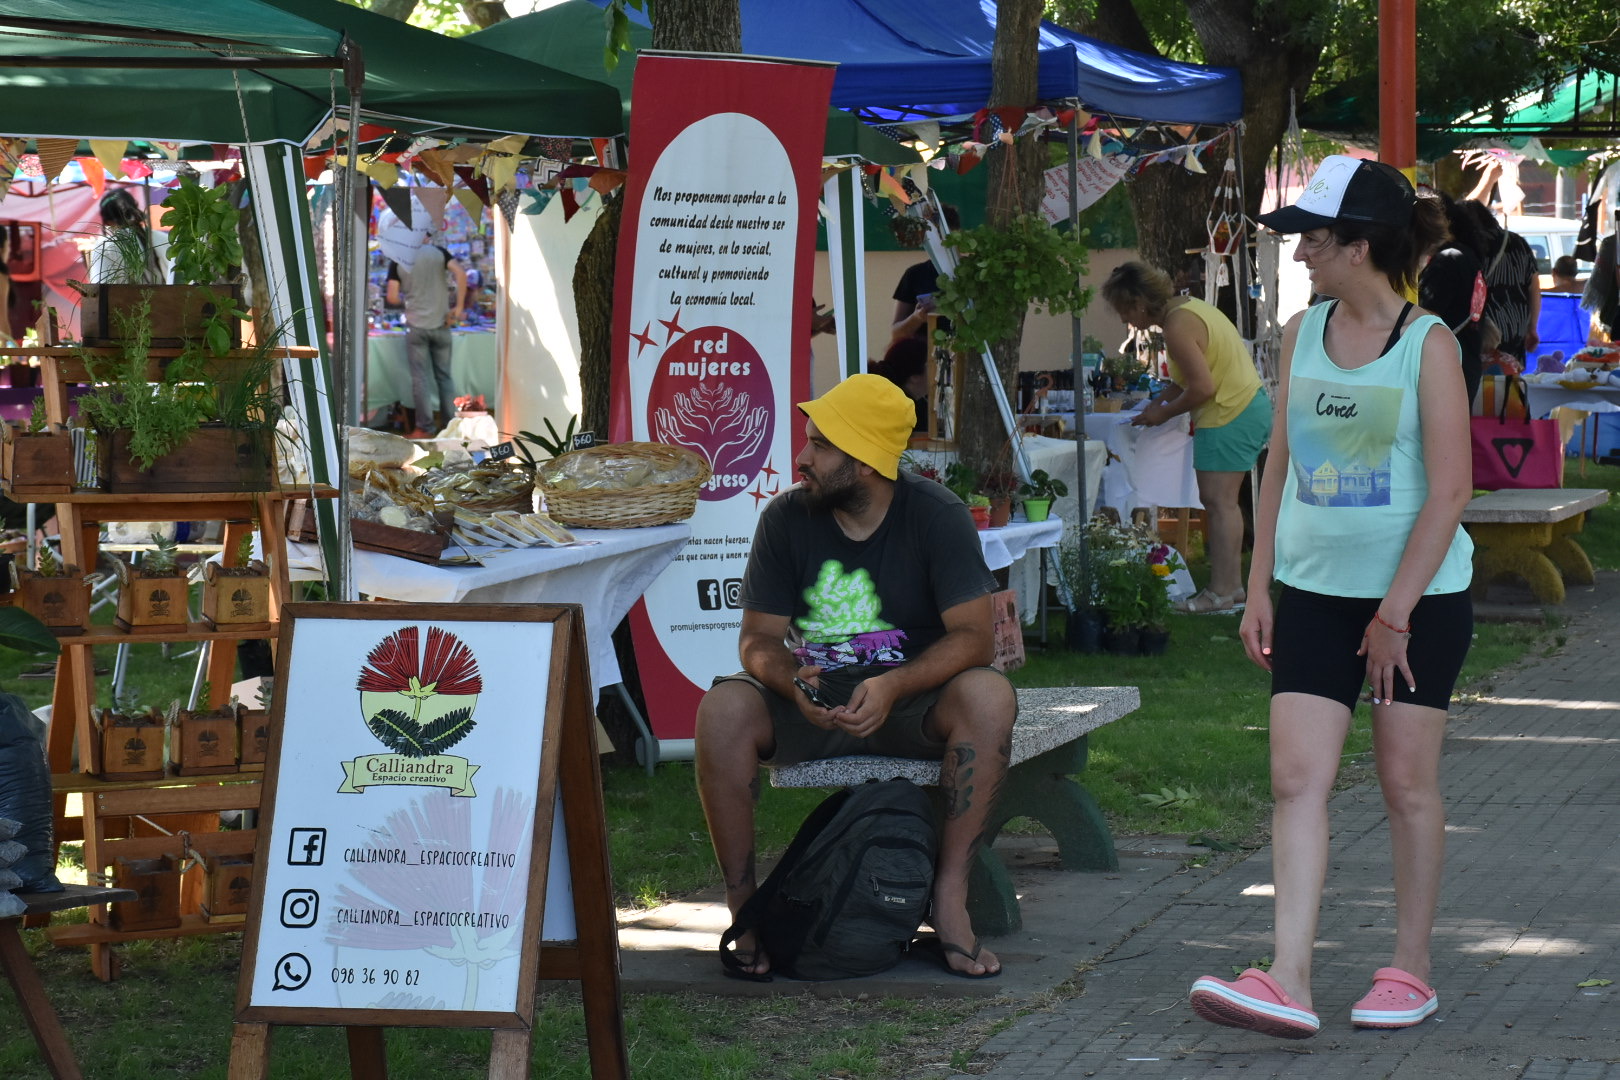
1531, 895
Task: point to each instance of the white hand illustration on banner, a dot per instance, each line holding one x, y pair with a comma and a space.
715, 421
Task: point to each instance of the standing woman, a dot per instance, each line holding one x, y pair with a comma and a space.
1359, 521
125, 254
1212, 378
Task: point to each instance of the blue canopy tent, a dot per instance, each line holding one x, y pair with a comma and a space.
897, 59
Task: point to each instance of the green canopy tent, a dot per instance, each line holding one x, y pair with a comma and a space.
68, 68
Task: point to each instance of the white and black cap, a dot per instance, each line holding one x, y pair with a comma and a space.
1344, 188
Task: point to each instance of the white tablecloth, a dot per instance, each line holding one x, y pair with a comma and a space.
1006, 545
1543, 398
1155, 466
606, 577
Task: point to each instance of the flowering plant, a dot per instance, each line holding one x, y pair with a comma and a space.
1129, 573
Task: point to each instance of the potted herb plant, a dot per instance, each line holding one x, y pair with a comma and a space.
192, 423
999, 488
1039, 493
237, 595
131, 744
36, 458
154, 595
963, 482
205, 303
58, 595
1156, 606
1085, 623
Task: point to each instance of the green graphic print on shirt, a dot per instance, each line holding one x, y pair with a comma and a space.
844, 625
1339, 440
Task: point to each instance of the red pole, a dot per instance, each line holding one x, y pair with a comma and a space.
1397, 83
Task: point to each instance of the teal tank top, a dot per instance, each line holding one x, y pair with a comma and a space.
1355, 469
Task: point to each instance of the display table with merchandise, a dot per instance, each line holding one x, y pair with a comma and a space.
605, 574
474, 368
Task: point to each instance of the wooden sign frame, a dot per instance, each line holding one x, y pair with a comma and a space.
568, 767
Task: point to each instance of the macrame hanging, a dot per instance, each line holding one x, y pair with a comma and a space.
1226, 227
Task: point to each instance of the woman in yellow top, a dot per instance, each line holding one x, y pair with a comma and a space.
1214, 379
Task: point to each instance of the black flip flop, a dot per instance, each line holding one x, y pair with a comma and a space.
941, 949
735, 965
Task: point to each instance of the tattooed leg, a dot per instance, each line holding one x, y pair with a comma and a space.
974, 714
733, 734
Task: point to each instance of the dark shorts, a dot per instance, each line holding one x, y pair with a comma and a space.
797, 739
1315, 638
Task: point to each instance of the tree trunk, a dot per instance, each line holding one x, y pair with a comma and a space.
484, 13
698, 25
1015, 184
593, 306
394, 9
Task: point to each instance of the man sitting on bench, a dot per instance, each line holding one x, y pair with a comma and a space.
866, 629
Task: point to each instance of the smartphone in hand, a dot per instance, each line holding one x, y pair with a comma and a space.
812, 693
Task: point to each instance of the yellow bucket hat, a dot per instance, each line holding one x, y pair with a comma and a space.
867, 417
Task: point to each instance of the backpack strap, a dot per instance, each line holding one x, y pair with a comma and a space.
753, 909
1501, 250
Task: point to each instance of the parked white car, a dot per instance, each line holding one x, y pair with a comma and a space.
1549, 238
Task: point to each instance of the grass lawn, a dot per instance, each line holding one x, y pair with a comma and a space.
1199, 738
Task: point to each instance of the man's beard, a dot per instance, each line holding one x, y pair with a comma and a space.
838, 490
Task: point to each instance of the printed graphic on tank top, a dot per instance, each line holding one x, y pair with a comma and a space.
1344, 458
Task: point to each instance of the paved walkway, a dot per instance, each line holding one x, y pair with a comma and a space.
1531, 908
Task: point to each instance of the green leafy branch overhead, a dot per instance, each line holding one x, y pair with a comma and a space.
1002, 272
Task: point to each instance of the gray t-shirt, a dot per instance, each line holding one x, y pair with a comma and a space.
873, 601
425, 287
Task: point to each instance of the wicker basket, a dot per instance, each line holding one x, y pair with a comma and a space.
628, 508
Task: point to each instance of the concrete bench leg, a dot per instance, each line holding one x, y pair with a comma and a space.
1567, 555
1044, 790
1519, 549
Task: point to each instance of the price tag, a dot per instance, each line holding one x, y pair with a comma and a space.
500, 452
584, 439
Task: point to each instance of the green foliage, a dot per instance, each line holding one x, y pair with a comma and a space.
158, 416
125, 257
551, 444
36, 418
618, 29
164, 556
1170, 798
50, 565
1043, 486
203, 245
961, 479
21, 631
1002, 272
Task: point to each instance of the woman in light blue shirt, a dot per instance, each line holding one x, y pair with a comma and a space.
1359, 521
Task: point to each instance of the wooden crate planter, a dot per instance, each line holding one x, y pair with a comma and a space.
61, 602
215, 458
157, 881
177, 312
227, 885
131, 746
236, 596
36, 463
252, 738
148, 603
205, 742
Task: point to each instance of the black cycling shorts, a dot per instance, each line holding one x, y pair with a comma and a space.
1315, 637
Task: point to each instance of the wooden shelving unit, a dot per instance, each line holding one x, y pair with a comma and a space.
143, 819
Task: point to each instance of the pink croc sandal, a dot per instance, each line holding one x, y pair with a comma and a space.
1396, 1000
1253, 1002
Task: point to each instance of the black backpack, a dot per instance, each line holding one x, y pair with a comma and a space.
849, 893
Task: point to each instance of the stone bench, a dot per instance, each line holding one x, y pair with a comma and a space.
1529, 533
1048, 749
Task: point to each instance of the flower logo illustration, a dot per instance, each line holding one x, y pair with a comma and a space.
417, 699
420, 704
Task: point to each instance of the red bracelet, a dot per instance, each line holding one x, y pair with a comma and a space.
1405, 630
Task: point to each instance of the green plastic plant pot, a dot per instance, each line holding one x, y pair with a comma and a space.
1037, 509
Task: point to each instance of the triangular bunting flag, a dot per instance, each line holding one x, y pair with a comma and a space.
399, 201
918, 174
470, 202
138, 169
1191, 163
606, 180
386, 173
535, 202
110, 152
500, 168
891, 187
94, 174
510, 144
508, 201
475, 184
1094, 145
54, 154
464, 153
438, 166
433, 200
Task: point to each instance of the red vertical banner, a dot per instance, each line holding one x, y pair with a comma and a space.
711, 329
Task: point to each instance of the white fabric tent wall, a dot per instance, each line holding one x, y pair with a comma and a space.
540, 327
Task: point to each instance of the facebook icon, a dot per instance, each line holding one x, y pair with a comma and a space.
306, 847
708, 594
